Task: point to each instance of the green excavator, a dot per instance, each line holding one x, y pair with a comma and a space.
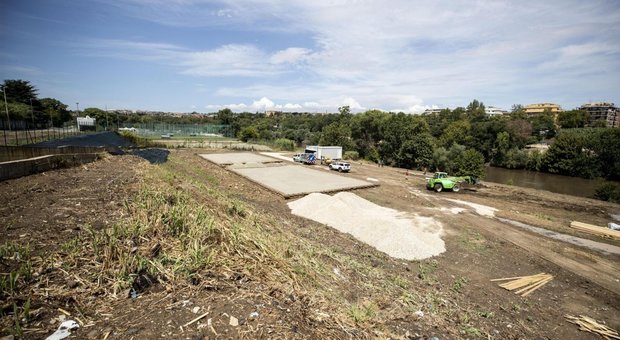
441, 181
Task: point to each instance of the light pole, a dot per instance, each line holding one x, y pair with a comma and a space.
34, 127
6, 106
77, 105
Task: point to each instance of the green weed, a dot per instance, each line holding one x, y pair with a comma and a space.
459, 283
362, 313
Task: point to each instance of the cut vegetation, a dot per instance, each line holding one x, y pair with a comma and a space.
188, 249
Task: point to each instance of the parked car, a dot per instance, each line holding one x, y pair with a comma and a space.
340, 166
298, 157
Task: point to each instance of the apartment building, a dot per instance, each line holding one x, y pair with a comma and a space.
607, 112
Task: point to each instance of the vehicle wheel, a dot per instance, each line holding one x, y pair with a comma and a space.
438, 187
339, 169
456, 188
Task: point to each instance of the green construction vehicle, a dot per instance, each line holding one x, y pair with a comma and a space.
441, 181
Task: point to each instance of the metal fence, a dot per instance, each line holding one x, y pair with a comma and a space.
180, 130
23, 132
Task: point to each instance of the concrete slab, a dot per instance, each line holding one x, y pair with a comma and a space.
296, 180
237, 158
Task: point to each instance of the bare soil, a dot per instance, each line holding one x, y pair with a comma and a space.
368, 295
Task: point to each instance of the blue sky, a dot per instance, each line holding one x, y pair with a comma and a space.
299, 55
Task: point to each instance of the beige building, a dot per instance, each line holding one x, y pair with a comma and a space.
533, 109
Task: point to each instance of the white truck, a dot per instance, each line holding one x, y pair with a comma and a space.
325, 152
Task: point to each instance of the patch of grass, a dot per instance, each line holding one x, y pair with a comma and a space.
473, 241
236, 209
362, 313
485, 314
425, 271
545, 217
399, 281
459, 284
473, 331
19, 265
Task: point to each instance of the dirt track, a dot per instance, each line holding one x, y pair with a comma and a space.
453, 289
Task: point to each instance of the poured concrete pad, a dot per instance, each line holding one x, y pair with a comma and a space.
295, 180
237, 158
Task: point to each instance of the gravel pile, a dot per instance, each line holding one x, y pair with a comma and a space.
400, 235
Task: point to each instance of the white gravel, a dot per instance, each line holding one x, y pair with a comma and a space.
482, 210
400, 235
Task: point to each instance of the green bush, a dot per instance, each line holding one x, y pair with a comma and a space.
608, 192
351, 155
285, 144
534, 161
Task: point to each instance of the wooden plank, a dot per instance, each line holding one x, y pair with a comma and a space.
593, 229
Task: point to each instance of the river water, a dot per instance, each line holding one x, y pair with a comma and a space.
574, 186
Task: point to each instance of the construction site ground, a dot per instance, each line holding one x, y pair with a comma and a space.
340, 287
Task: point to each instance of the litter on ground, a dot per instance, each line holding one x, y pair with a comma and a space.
525, 285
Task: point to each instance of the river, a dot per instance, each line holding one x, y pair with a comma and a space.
574, 186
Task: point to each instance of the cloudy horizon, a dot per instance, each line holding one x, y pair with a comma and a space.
399, 55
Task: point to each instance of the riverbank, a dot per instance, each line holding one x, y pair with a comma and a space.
575, 186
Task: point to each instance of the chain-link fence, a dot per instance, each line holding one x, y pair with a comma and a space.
23, 132
169, 130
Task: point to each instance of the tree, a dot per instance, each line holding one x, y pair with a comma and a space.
543, 125
520, 130
573, 119
337, 134
416, 152
502, 144
18, 111
345, 110
469, 163
476, 111
457, 132
19, 91
397, 129
225, 116
248, 133
606, 143
56, 110
571, 155
518, 112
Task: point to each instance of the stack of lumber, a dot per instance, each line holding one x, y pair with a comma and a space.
590, 325
525, 285
593, 229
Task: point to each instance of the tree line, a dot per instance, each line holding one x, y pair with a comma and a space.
460, 141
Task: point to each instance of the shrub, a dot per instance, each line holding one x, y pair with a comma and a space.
608, 192
352, 155
285, 144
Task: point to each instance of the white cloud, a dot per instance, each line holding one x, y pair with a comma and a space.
407, 54
290, 106
290, 55
263, 104
352, 104
227, 60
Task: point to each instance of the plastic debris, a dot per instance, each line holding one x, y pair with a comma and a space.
613, 226
419, 314
64, 330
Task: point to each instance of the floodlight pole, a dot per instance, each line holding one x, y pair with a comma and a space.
34, 127
6, 107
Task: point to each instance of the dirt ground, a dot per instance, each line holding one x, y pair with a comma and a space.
453, 290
